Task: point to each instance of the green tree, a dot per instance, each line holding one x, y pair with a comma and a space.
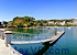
26, 20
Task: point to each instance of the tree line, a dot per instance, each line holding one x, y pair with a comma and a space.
27, 21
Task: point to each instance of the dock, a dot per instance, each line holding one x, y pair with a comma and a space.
51, 40
3, 49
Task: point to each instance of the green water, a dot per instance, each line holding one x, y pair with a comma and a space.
29, 30
32, 34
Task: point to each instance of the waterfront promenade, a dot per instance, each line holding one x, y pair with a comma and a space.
7, 50
4, 50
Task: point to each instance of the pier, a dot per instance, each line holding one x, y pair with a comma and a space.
50, 40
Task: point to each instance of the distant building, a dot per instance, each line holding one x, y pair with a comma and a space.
62, 23
75, 21
50, 22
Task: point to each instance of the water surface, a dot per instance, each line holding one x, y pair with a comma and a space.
66, 45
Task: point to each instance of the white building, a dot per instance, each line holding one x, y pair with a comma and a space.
75, 21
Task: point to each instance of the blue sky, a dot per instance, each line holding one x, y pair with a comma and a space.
40, 9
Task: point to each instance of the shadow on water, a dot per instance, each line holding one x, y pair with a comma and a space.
46, 47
